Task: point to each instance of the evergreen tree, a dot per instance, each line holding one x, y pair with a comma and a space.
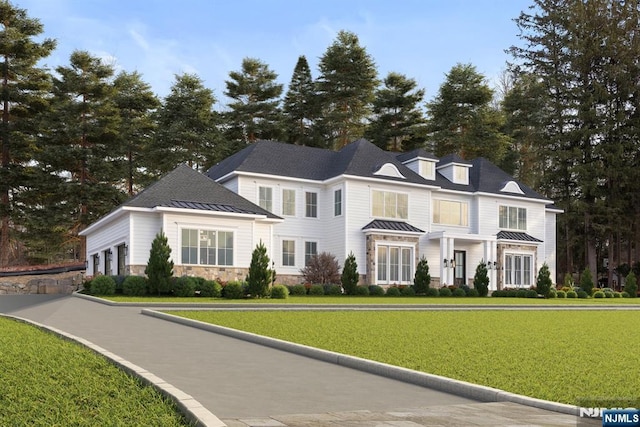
461, 119
586, 281
79, 149
422, 278
481, 279
348, 78
543, 281
260, 276
187, 130
24, 88
350, 276
398, 122
254, 111
300, 106
136, 104
630, 285
159, 268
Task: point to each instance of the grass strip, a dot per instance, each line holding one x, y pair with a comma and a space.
49, 381
379, 300
569, 357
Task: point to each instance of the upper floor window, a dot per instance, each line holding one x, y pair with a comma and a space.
388, 204
265, 198
337, 202
311, 204
460, 175
514, 218
289, 202
450, 212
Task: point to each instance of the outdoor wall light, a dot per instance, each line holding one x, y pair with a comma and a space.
495, 265
488, 265
452, 263
446, 263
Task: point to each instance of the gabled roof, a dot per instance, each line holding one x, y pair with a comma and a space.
360, 158
188, 189
417, 153
452, 158
486, 177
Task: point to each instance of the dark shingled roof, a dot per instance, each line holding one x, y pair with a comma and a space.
188, 189
360, 158
514, 235
378, 224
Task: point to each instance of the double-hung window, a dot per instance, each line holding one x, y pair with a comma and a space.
289, 202
289, 253
265, 198
311, 204
337, 202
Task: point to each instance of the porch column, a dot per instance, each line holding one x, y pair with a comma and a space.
444, 254
491, 255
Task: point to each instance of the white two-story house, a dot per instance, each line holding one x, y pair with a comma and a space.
388, 209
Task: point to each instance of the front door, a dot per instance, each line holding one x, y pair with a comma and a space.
460, 258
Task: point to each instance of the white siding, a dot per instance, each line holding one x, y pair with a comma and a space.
144, 227
107, 238
550, 250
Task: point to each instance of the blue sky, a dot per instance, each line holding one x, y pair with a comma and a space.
422, 39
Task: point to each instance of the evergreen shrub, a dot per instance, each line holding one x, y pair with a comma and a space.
134, 286
103, 285
279, 292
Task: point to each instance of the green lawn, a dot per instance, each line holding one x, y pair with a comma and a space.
381, 300
563, 356
49, 381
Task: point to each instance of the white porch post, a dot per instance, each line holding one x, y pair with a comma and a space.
450, 271
444, 242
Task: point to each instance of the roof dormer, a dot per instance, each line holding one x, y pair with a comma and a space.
390, 170
421, 162
512, 187
455, 169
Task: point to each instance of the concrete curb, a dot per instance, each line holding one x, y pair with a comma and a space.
187, 405
460, 388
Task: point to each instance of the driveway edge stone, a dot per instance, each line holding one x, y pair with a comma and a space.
449, 385
188, 406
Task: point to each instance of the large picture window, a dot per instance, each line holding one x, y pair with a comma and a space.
388, 204
518, 270
394, 264
207, 247
513, 218
450, 212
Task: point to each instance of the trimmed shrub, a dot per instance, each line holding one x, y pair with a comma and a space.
543, 281
459, 292
393, 291
233, 290
432, 292
159, 269
631, 286
350, 276
598, 294
209, 289
521, 293
445, 292
561, 294
481, 279
322, 268
473, 293
608, 294
184, 286
375, 290
134, 285
260, 275
408, 291
279, 292
498, 293
552, 294
586, 281
617, 295
532, 293
572, 294
512, 293
119, 279
332, 289
625, 294
298, 290
103, 285
316, 290
361, 290
422, 278
583, 294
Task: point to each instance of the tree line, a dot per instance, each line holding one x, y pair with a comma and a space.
80, 139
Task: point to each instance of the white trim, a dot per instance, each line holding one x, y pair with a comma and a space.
391, 244
197, 227
512, 187
392, 232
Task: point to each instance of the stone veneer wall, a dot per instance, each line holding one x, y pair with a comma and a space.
371, 240
41, 286
502, 248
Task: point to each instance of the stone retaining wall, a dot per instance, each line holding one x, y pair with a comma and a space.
41, 285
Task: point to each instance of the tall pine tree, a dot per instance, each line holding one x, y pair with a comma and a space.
348, 78
398, 123
300, 107
24, 89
